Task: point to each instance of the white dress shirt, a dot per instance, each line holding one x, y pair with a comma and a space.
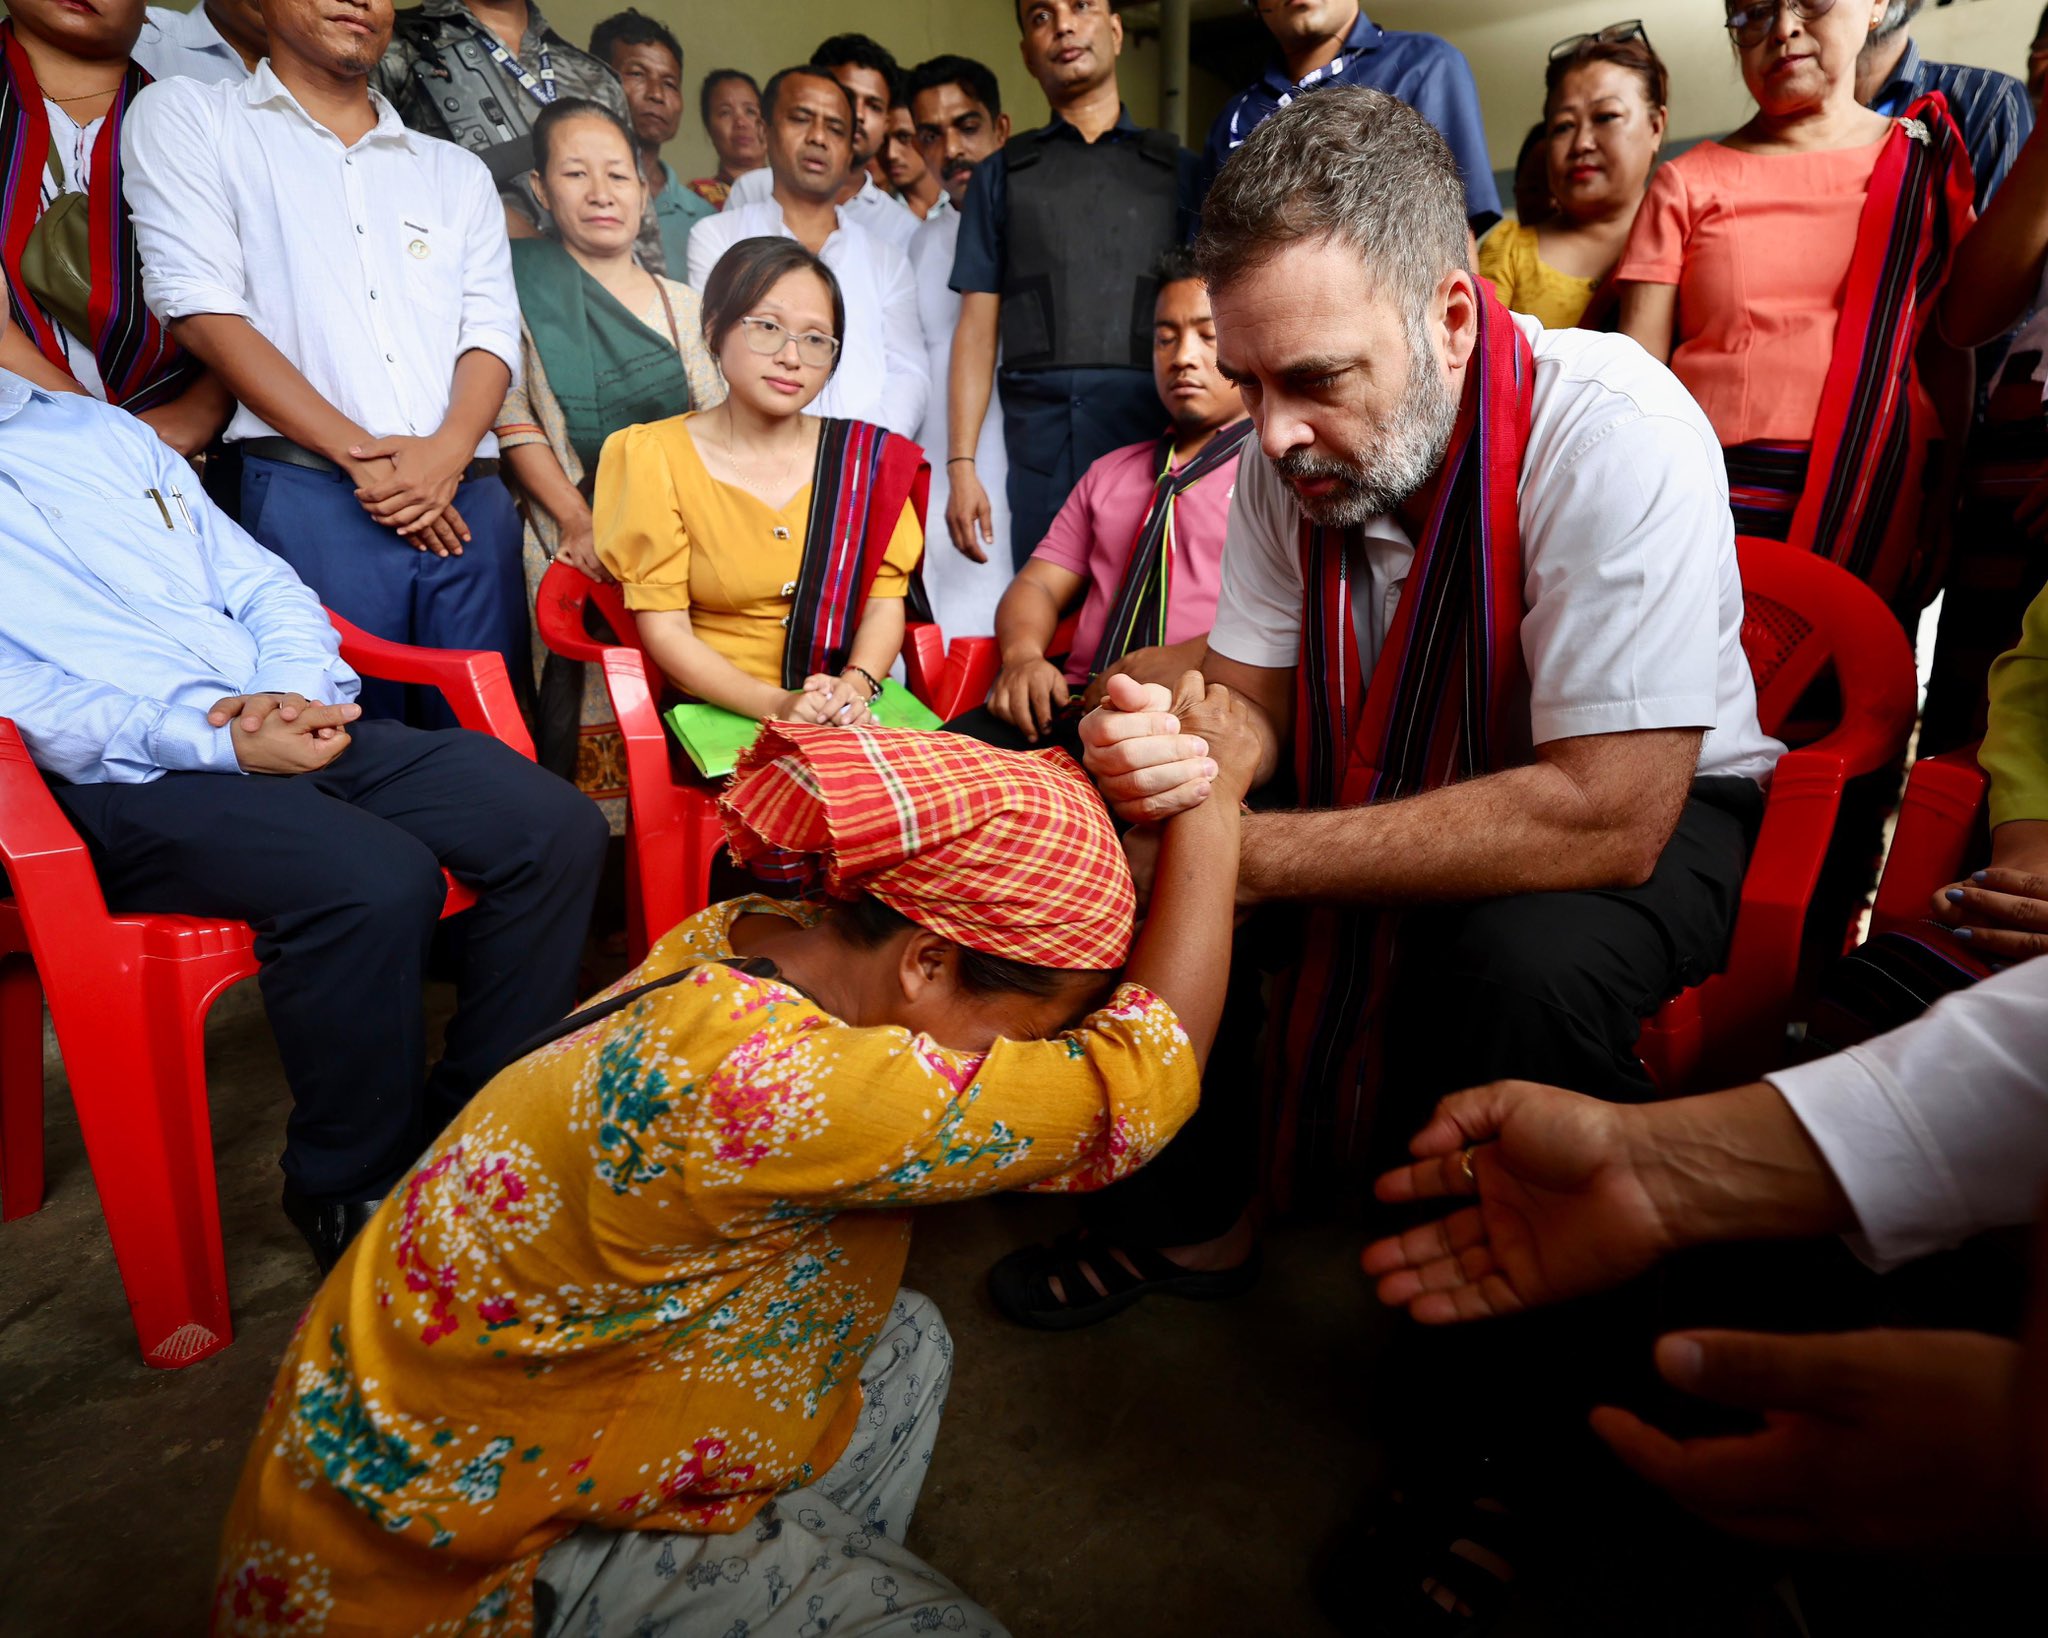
883, 215
185, 45
883, 375
1631, 593
964, 593
373, 268
131, 604
1938, 1130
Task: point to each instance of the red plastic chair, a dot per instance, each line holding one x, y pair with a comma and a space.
1801, 614
1940, 835
128, 996
672, 830
972, 664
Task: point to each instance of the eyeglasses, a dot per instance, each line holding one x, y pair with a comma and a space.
1612, 34
766, 337
1752, 25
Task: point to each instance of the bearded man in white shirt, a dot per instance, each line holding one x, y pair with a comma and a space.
351, 283
1481, 592
882, 375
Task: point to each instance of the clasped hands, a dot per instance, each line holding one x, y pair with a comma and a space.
409, 485
1155, 752
841, 702
284, 733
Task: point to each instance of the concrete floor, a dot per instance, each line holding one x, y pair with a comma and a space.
1167, 1473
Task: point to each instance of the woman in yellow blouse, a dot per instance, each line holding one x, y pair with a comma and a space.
1604, 112
628, 1342
766, 552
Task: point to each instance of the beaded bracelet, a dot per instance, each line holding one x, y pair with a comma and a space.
874, 688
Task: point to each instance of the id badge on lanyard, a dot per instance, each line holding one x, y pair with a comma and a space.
543, 90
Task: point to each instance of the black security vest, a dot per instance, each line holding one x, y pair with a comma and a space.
1087, 223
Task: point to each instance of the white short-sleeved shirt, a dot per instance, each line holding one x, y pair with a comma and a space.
371, 267
1631, 594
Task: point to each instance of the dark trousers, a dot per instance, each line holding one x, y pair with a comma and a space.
983, 724
1057, 424
368, 575
1546, 987
339, 872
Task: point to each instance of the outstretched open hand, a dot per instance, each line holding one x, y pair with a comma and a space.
1562, 1208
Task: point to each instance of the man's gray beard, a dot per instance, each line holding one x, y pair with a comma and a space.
1380, 478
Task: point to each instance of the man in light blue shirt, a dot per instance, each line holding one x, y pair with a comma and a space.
185, 695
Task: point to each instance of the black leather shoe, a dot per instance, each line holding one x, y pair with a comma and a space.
328, 1225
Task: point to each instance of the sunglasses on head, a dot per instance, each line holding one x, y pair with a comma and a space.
1612, 34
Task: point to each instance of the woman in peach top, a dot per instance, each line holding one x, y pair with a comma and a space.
1787, 274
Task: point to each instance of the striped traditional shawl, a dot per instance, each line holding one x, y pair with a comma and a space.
140, 366
864, 476
1870, 437
1437, 710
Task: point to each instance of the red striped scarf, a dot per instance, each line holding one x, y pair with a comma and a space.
140, 366
1860, 506
864, 476
1437, 710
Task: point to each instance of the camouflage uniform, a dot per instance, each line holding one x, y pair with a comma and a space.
577, 74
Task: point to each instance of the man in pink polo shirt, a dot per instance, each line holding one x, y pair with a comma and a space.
1138, 545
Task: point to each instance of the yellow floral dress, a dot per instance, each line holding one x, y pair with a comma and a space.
633, 1284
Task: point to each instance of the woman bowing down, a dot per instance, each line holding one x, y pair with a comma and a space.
628, 1344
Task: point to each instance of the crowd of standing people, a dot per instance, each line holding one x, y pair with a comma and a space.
1371, 746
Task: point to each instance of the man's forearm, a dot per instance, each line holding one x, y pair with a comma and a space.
1026, 619
475, 399
267, 382
1524, 830
1998, 265
972, 374
1735, 1165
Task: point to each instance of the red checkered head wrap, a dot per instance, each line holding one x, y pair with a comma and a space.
1008, 853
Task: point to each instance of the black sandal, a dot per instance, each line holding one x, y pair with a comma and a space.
1020, 1284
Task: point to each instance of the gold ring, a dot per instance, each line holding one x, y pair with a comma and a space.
1465, 1166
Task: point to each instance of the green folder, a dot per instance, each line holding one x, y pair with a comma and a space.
714, 736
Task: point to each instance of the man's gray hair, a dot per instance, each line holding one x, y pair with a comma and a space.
1895, 16
1347, 164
